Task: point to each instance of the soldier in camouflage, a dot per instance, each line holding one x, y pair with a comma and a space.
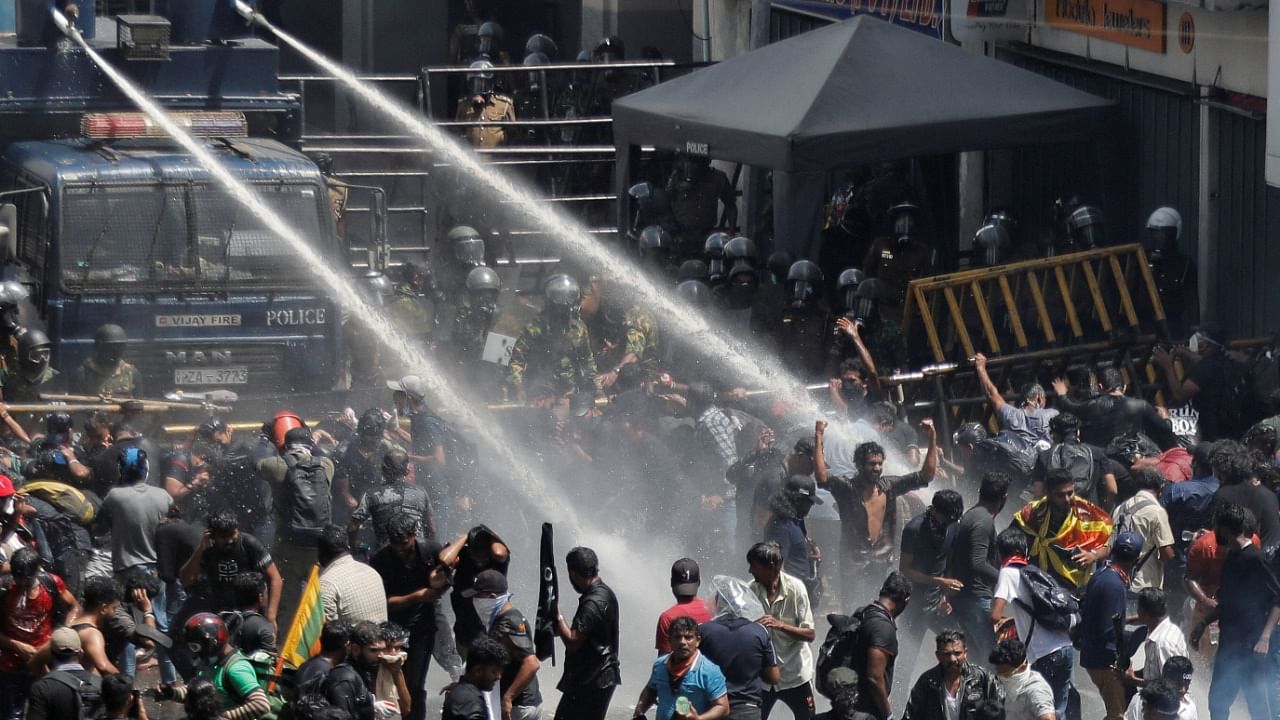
409, 307
626, 332
557, 346
31, 374
475, 314
106, 372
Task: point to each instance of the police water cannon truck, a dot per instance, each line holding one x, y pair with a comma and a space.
107, 220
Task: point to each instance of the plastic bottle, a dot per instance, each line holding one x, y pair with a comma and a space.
682, 705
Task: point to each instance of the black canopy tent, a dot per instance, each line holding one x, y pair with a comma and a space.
853, 93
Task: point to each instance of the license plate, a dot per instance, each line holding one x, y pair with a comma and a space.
211, 376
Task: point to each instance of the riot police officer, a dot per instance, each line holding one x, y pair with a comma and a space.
847, 287
531, 99
106, 372
489, 39
625, 332
482, 103
900, 257
992, 245
778, 264
542, 43
32, 374
409, 305
713, 253
1086, 228
472, 322
12, 294
1174, 273
802, 334
693, 269
697, 191
555, 347
651, 206
655, 247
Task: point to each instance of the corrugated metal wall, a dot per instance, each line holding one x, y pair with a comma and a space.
784, 24
1151, 158
1245, 295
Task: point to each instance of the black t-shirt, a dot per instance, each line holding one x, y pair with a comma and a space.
345, 688
929, 547
1259, 501
256, 633
176, 541
311, 675
742, 649
513, 626
467, 625
465, 702
51, 698
974, 559
221, 565
595, 663
1248, 592
401, 578
878, 630
1217, 401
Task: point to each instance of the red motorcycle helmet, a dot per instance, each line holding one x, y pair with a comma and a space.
205, 634
284, 421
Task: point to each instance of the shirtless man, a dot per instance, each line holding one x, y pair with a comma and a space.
867, 506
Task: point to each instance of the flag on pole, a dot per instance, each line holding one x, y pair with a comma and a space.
303, 639
544, 637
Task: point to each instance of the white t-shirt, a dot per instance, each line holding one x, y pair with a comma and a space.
1044, 641
951, 703
1027, 696
1186, 709
1164, 641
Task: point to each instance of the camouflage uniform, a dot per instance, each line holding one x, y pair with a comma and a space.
497, 107
564, 356
123, 382
411, 311
469, 333
641, 336
17, 388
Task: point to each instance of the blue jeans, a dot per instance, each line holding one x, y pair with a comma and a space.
128, 663
974, 615
1056, 668
1234, 669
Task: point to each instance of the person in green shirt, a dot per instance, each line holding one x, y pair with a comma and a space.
217, 661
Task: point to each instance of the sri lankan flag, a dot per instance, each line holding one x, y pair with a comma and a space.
303, 640
1087, 527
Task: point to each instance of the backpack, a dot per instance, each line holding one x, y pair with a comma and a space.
79, 505
88, 698
839, 648
1077, 459
1051, 605
1006, 452
308, 504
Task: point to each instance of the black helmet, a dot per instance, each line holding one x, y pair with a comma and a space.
694, 292
713, 251
58, 423
12, 293
992, 243
1164, 229
535, 59
1086, 227
804, 283
779, 263
561, 290
611, 49
205, 634
490, 35
1002, 216
110, 334
904, 217
655, 244
692, 269
741, 249
483, 278
867, 299
542, 43
847, 285
372, 424
480, 79
395, 465
970, 433
34, 350
467, 245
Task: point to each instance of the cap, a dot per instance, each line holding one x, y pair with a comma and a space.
842, 677
488, 581
1127, 546
410, 385
805, 487
803, 446
685, 577
6, 486
65, 641
298, 436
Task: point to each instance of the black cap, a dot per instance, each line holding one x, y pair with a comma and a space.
210, 426
487, 581
685, 577
298, 436
805, 487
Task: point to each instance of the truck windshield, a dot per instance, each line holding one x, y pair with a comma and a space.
189, 237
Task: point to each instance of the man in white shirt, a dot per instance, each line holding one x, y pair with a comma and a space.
1174, 680
1048, 651
1027, 695
789, 620
1164, 638
1144, 515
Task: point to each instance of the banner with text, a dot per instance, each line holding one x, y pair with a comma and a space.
922, 16
1136, 23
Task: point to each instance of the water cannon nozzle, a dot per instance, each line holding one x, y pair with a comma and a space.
65, 24
246, 11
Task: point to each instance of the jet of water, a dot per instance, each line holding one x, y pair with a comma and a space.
342, 290
757, 368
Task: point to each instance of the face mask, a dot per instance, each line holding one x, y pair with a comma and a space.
1194, 344
487, 608
851, 389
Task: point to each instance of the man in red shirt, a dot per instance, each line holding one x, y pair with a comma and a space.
684, 585
31, 602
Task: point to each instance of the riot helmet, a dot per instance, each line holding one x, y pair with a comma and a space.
610, 50
483, 286
804, 283
377, 287
692, 167
281, 424
991, 244
692, 269
1002, 216
1164, 230
904, 218
1086, 227
779, 263
847, 286
694, 292
108, 345
490, 37
34, 351
205, 635
532, 60
12, 293
655, 245
713, 251
467, 246
741, 250
561, 295
480, 79
58, 423
652, 206
542, 43
867, 298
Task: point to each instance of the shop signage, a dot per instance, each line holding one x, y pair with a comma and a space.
922, 16
1187, 32
1136, 23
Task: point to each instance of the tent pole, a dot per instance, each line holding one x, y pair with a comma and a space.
706, 30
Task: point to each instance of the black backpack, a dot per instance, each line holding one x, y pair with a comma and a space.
1077, 459
1005, 452
1051, 605
839, 648
88, 698
308, 505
